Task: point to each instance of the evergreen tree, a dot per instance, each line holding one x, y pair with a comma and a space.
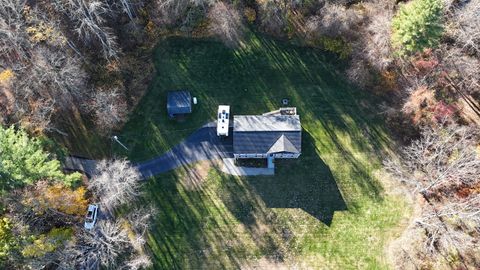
417, 26
23, 161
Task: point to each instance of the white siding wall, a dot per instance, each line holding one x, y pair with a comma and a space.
280, 155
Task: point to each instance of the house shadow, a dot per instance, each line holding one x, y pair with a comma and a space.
306, 183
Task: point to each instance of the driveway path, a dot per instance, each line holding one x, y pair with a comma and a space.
87, 166
203, 144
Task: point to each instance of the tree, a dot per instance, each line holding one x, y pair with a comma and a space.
273, 19
417, 26
109, 108
14, 42
442, 158
226, 23
23, 161
179, 12
106, 247
116, 183
377, 49
438, 166
51, 83
89, 18
464, 26
7, 239
57, 197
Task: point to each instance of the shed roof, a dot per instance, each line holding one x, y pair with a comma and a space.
179, 102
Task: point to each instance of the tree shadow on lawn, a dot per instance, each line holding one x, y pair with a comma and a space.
193, 229
306, 183
200, 228
253, 80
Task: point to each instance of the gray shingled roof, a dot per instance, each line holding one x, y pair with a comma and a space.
266, 134
179, 102
283, 144
267, 123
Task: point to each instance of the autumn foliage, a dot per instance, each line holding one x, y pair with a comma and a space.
58, 197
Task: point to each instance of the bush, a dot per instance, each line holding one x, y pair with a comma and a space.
417, 26
336, 45
7, 241
45, 243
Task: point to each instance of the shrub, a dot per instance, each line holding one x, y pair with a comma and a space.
417, 26
46, 243
336, 45
7, 241
250, 14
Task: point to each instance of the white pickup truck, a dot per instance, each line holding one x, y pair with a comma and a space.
223, 120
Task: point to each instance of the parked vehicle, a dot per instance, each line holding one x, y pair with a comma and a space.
91, 217
223, 120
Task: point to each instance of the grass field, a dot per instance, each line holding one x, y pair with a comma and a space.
326, 210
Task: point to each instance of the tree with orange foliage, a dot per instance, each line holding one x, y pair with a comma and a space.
57, 197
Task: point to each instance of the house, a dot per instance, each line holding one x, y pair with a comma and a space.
223, 120
272, 135
179, 103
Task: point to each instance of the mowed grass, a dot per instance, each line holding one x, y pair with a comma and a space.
326, 210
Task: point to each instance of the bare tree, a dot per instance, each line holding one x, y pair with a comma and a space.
109, 108
48, 84
168, 12
116, 183
377, 49
336, 20
466, 68
140, 261
436, 166
89, 17
226, 23
359, 73
127, 7
14, 42
140, 220
464, 214
464, 25
106, 246
273, 18
442, 157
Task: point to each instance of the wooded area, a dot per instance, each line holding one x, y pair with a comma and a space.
69, 66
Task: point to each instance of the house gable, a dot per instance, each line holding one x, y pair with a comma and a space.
283, 145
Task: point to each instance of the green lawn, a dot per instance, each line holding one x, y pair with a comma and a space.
324, 210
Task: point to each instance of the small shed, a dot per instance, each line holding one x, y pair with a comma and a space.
179, 103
